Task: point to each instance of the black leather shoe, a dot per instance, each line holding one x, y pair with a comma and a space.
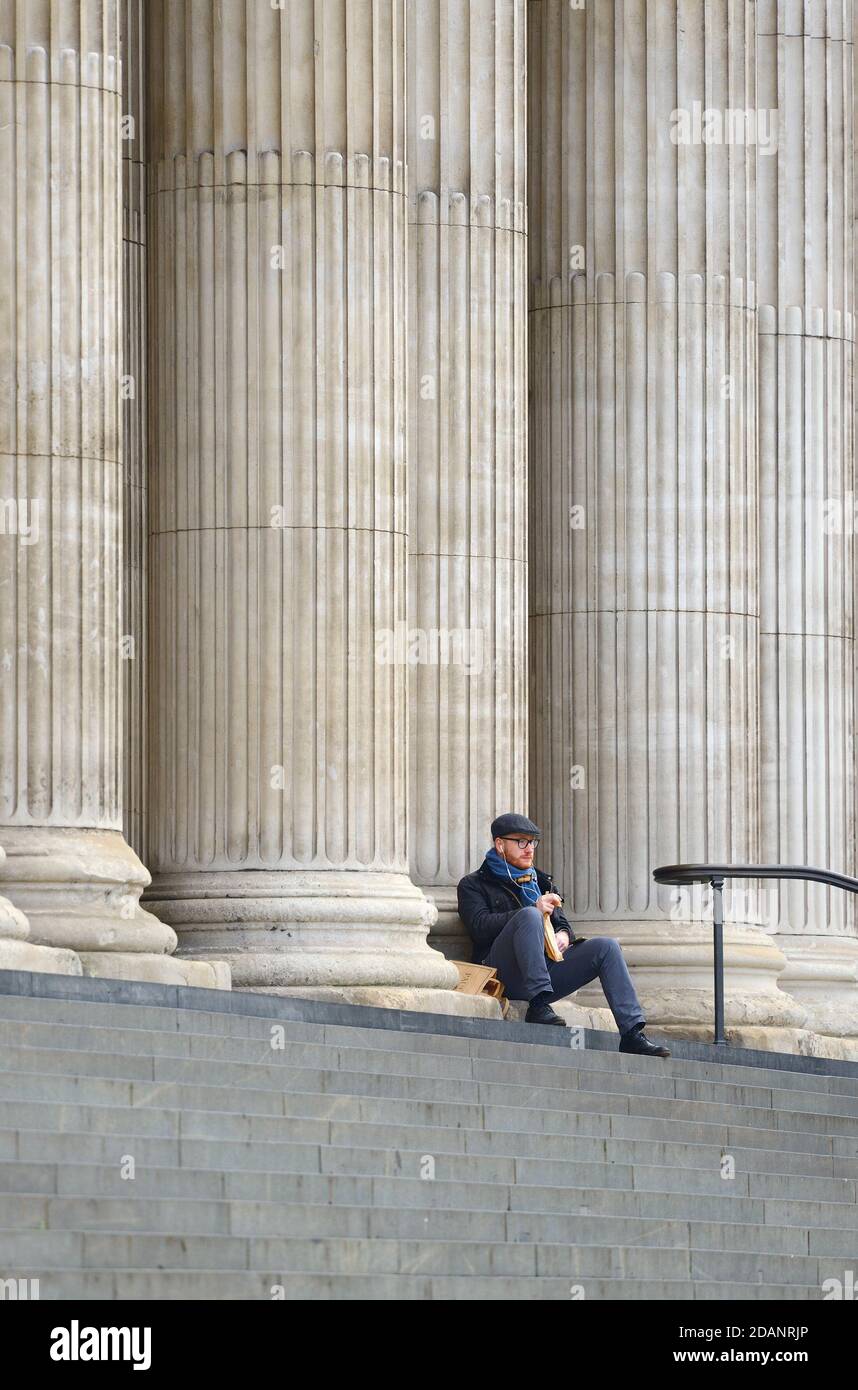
542, 1013
639, 1043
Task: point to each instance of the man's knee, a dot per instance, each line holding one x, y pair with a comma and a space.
608, 946
528, 919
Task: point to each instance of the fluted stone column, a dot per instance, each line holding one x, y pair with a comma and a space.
644, 586
68, 866
133, 641
466, 437
807, 577
277, 258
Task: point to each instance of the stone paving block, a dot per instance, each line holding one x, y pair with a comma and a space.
582, 1263
88, 1038
183, 1216
92, 1180
800, 1187
830, 1241
597, 1201
259, 1155
739, 1266
63, 1090
110, 1149
293, 1219
62, 1117
32, 1178
763, 1293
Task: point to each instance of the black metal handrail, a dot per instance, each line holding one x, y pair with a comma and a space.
714, 874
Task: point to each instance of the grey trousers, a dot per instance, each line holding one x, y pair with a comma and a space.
518, 955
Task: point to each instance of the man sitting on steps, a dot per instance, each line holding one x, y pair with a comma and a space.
512, 939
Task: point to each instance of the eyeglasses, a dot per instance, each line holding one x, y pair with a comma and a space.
522, 844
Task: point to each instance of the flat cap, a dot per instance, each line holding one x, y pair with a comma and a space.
510, 823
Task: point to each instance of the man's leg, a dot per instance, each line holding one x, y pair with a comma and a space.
600, 956
518, 955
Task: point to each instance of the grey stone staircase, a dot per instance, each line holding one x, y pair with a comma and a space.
161, 1152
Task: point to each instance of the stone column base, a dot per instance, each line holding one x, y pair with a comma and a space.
306, 929
801, 1042
671, 963
17, 951
80, 889
23, 955
448, 934
822, 974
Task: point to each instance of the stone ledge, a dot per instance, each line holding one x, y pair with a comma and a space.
451, 1003
575, 1015
85, 988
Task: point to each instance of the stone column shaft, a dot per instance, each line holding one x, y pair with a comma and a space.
133, 641
279, 741
644, 585
69, 868
467, 440
806, 363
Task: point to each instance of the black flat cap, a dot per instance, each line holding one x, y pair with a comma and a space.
512, 824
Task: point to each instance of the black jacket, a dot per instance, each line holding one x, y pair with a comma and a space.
486, 904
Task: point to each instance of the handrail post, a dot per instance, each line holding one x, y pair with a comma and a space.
718, 929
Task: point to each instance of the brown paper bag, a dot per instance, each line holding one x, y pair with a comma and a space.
552, 950
481, 979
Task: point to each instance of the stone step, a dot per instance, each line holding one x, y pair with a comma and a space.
338, 1190
566, 1184
664, 1152
59, 1250
63, 1048
556, 1172
198, 1216
159, 1284
67, 1078
267, 1111
322, 1146
444, 1194
177, 1024
441, 1193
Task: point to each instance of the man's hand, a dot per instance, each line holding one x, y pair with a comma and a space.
562, 939
548, 901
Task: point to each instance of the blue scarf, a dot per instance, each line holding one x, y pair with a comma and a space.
522, 881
